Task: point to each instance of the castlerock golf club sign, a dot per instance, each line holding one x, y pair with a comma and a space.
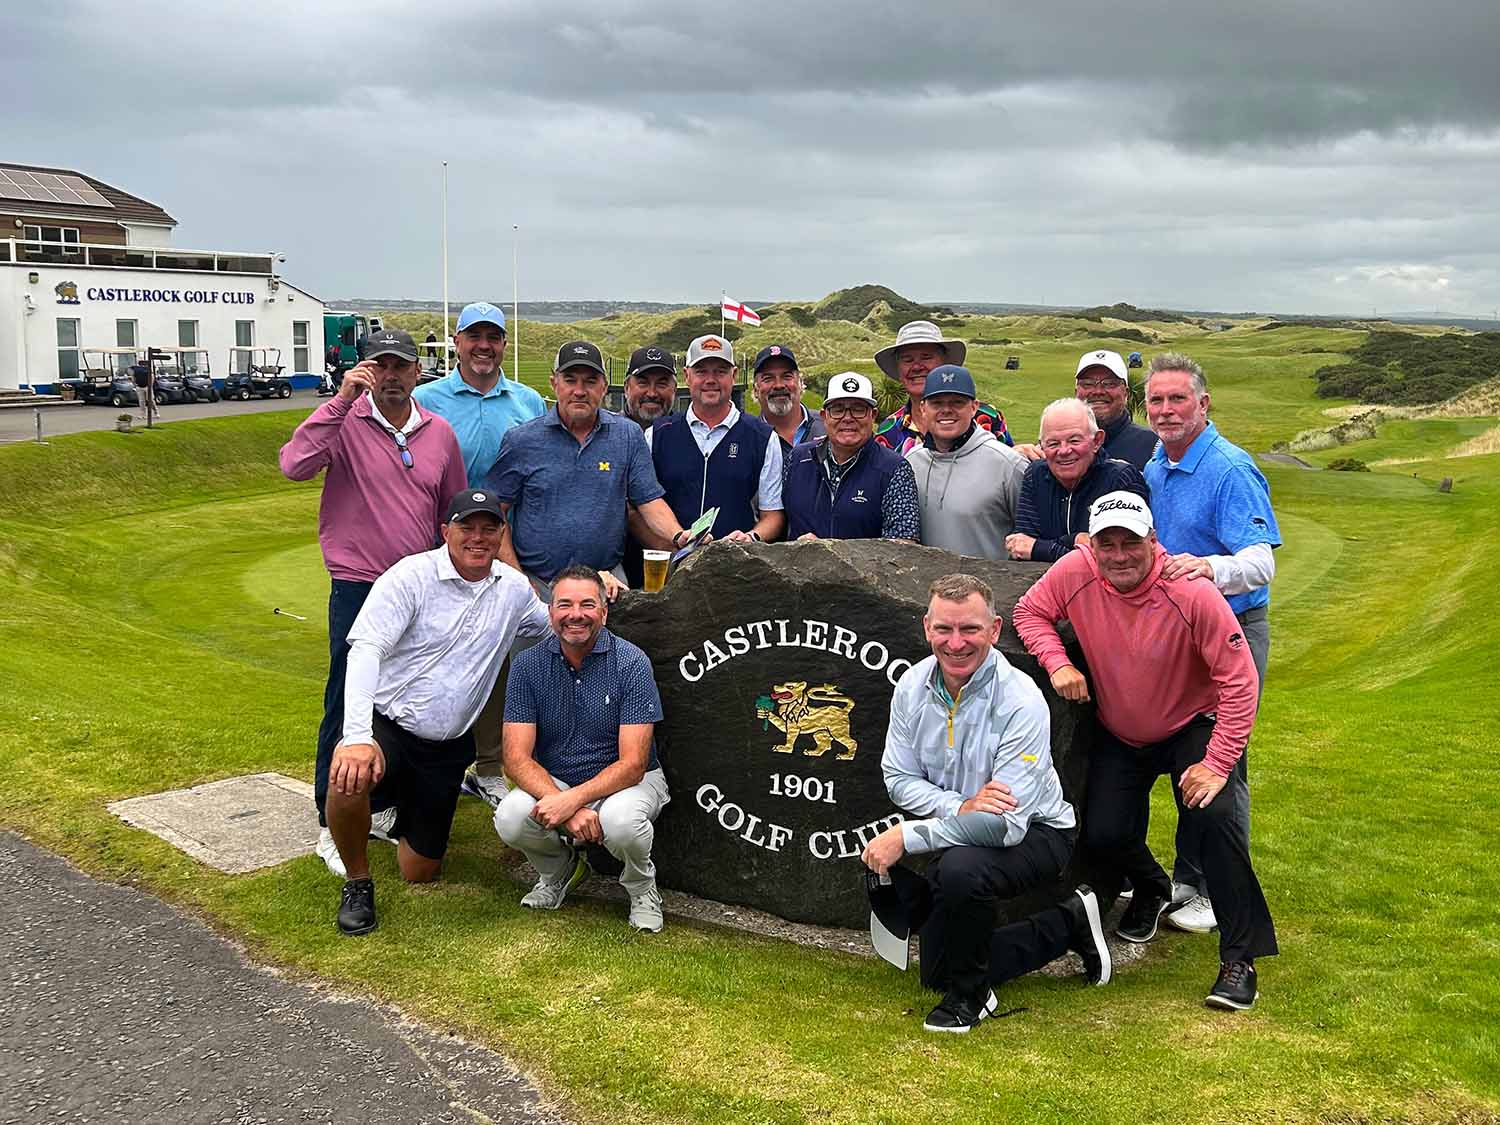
776, 665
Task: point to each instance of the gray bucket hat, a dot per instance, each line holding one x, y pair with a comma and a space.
919, 332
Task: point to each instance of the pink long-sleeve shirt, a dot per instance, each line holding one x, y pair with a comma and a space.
1158, 655
374, 509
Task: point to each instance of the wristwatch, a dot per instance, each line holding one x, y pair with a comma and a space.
675, 544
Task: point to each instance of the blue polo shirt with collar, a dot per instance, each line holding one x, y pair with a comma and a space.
578, 713
480, 420
1213, 502
568, 497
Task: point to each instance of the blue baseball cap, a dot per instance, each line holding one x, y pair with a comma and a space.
949, 379
481, 312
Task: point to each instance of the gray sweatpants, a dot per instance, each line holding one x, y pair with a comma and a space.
1188, 867
627, 819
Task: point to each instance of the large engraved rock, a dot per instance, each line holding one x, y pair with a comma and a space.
776, 665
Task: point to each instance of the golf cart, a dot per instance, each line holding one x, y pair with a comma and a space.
256, 371
1012, 363
105, 376
192, 366
436, 360
1133, 359
166, 376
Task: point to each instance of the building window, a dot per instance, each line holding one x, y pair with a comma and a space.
301, 357
125, 337
187, 333
244, 337
67, 349
68, 236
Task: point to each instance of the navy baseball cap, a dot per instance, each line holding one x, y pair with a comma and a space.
472, 501
949, 379
390, 341
579, 353
481, 312
649, 359
775, 351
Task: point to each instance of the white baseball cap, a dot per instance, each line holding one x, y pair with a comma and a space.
851, 384
1110, 361
1120, 509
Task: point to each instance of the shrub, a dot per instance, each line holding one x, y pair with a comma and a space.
1348, 465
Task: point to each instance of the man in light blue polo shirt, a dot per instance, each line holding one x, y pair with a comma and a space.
476, 398
1213, 516
565, 478
481, 404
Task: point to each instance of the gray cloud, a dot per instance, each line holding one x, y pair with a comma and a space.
1288, 155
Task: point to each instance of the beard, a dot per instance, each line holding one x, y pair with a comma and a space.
780, 407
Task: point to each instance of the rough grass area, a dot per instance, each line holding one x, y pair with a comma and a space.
138, 576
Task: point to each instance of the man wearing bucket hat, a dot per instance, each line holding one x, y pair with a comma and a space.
920, 347
967, 481
1176, 689
847, 485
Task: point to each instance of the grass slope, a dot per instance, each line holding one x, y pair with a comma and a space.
128, 561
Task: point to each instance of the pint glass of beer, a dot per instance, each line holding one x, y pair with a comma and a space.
655, 569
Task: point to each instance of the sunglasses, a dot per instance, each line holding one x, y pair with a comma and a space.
401, 445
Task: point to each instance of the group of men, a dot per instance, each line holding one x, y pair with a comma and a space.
475, 538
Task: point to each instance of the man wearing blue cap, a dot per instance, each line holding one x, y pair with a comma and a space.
480, 403
968, 481
476, 398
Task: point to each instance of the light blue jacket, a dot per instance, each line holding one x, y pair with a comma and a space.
937, 757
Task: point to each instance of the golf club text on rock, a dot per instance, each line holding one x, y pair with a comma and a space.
778, 633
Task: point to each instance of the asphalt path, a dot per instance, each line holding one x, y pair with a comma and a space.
120, 1008
19, 423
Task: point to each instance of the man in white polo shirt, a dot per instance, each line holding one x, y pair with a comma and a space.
424, 654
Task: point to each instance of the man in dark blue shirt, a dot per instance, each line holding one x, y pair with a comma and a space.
580, 710
565, 478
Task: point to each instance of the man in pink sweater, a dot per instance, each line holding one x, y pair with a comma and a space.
391, 473
1175, 686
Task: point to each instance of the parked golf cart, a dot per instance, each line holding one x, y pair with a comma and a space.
192, 365
105, 376
436, 359
256, 371
1133, 359
1013, 363
166, 376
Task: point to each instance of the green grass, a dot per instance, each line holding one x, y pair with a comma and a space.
1375, 798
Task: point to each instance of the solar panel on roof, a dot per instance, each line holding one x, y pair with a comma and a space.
49, 187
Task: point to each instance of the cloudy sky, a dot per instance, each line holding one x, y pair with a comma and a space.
1289, 155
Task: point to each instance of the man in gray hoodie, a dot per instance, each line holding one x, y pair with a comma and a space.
969, 752
967, 481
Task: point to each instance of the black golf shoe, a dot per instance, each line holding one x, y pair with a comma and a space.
1235, 988
1143, 916
357, 907
958, 1014
1086, 937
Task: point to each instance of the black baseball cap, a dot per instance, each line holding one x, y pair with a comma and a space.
472, 501
390, 341
649, 359
774, 351
579, 353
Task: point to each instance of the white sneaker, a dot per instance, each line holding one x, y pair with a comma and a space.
382, 824
490, 790
548, 894
1182, 892
328, 852
645, 911
1196, 917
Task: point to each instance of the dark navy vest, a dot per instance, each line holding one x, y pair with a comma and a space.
729, 479
855, 512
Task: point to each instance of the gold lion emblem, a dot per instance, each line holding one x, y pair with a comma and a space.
821, 712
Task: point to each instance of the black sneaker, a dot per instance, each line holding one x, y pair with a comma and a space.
1143, 915
1235, 988
957, 1014
1086, 937
357, 907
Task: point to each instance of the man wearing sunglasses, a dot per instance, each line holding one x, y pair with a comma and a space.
848, 485
391, 470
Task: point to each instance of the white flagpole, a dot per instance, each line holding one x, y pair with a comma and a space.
723, 300
447, 336
515, 300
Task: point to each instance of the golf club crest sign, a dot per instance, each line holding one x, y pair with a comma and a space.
776, 665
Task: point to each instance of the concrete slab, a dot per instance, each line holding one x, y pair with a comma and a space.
239, 824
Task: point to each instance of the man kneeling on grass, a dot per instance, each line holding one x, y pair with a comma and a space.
1176, 689
580, 709
424, 654
969, 746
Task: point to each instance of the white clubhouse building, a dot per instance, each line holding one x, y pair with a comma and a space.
84, 265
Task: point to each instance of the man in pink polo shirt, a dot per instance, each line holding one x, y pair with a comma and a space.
1175, 686
392, 472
